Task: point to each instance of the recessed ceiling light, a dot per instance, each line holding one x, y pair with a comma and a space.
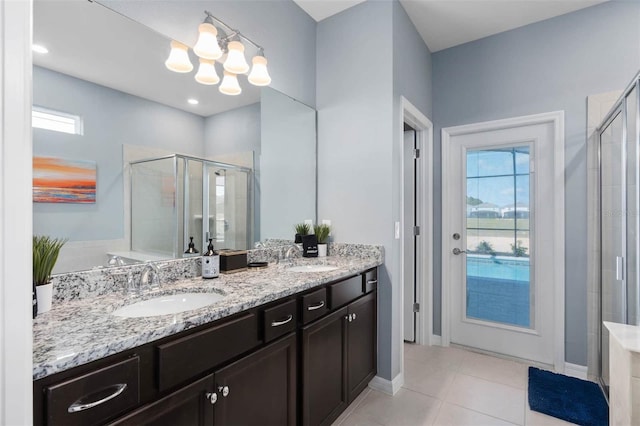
193, 101
38, 48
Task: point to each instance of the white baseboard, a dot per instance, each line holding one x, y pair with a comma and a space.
435, 340
575, 370
390, 387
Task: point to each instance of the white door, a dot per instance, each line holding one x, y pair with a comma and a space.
409, 240
499, 239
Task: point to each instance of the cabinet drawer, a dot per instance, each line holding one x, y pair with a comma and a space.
314, 305
370, 280
345, 291
184, 358
280, 320
96, 396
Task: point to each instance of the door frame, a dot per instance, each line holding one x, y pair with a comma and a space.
424, 286
556, 118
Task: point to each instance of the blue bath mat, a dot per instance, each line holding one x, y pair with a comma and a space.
567, 398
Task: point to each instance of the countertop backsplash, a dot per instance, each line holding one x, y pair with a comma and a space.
102, 280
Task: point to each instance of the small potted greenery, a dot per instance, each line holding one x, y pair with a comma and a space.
302, 229
45, 255
322, 234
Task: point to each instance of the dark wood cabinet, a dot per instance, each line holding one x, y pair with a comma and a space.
296, 360
190, 405
260, 389
361, 344
338, 360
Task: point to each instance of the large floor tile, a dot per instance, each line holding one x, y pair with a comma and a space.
356, 402
454, 415
404, 408
427, 379
355, 419
493, 399
533, 418
435, 356
494, 369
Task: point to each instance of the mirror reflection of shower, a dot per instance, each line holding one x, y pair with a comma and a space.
170, 197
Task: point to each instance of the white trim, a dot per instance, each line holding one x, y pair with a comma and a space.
575, 370
424, 139
390, 387
557, 119
15, 214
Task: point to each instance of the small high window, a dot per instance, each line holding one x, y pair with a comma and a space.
42, 118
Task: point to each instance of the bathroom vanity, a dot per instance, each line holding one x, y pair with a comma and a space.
281, 348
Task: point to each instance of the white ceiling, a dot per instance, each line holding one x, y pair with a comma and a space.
447, 23
93, 43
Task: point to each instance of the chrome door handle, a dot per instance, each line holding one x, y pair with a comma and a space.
314, 307
283, 322
77, 406
457, 251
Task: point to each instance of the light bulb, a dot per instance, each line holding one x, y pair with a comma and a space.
230, 85
207, 72
178, 60
236, 63
259, 75
207, 46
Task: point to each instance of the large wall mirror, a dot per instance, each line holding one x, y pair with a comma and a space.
114, 106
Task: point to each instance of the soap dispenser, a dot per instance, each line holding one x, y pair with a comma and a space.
210, 262
192, 247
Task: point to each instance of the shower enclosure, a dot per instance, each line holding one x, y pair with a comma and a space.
176, 198
618, 143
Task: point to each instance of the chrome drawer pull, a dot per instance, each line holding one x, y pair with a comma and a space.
314, 307
77, 406
283, 322
372, 282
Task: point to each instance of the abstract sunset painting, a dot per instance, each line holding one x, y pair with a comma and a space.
56, 180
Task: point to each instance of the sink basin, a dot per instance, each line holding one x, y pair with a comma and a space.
313, 268
169, 304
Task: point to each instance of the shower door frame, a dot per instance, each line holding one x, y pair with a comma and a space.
620, 108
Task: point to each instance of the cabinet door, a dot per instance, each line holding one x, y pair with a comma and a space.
259, 389
324, 364
362, 344
190, 405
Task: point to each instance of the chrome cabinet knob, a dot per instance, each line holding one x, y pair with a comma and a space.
224, 390
212, 397
354, 316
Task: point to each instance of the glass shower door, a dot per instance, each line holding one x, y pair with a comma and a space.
613, 233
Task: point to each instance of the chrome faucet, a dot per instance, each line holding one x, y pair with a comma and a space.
130, 287
149, 278
292, 252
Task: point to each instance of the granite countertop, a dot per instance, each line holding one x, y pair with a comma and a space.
627, 335
80, 331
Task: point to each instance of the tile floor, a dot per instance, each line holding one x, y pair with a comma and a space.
450, 386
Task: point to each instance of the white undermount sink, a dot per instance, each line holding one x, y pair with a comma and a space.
313, 268
168, 304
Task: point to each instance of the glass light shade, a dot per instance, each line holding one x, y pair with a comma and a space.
207, 72
259, 75
236, 63
178, 60
207, 46
230, 85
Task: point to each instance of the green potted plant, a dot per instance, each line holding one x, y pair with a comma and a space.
302, 229
322, 234
45, 255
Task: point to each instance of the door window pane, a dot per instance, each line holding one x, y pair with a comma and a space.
498, 277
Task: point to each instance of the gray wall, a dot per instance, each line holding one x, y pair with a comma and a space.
111, 119
547, 66
358, 101
237, 130
285, 31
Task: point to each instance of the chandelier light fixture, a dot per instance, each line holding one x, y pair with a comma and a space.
214, 44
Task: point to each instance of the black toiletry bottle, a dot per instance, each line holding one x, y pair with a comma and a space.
210, 262
192, 247
35, 301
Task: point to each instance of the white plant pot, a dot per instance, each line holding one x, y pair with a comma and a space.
44, 294
322, 250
